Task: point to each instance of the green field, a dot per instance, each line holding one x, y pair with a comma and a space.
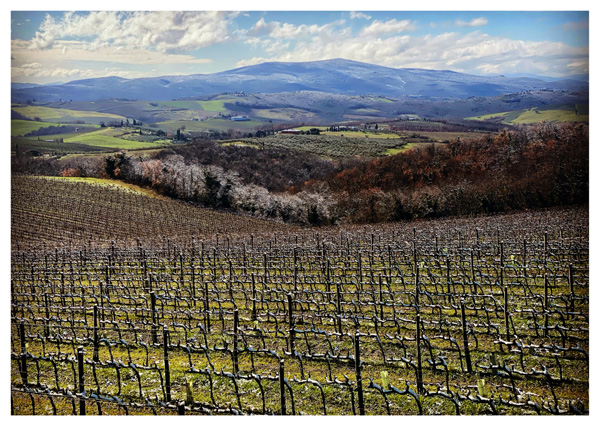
22, 127
216, 124
238, 143
360, 134
393, 151
368, 111
215, 105
106, 138
149, 111
110, 184
55, 148
536, 115
58, 115
410, 146
194, 105
305, 128
285, 114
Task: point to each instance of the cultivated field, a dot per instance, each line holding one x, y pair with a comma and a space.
126, 303
64, 115
536, 115
211, 124
332, 145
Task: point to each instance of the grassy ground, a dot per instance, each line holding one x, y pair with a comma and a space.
110, 138
193, 105
113, 185
393, 151
372, 266
239, 143
64, 115
214, 105
388, 330
22, 127
284, 114
216, 124
364, 134
305, 128
536, 115
56, 148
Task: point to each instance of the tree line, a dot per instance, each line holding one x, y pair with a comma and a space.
530, 167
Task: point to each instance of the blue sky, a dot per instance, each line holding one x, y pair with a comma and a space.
63, 46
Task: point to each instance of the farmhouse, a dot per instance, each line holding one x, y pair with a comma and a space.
240, 118
290, 132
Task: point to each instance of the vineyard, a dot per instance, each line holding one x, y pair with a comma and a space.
125, 304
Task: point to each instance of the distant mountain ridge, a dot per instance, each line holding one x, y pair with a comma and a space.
339, 76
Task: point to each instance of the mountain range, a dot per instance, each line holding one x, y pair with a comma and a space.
338, 76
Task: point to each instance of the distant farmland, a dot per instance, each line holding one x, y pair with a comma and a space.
23, 127
536, 115
60, 115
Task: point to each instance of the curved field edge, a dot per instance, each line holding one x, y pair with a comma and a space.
110, 184
77, 210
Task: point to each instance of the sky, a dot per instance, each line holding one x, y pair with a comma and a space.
57, 46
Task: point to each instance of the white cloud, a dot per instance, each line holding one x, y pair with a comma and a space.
285, 30
475, 22
262, 28
359, 15
84, 42
158, 31
52, 74
378, 28
474, 53
64, 51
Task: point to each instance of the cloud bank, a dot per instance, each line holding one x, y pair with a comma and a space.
138, 44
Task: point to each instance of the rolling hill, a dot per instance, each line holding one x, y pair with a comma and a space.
337, 76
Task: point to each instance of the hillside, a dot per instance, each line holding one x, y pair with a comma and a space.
73, 211
534, 167
206, 113
338, 76
558, 113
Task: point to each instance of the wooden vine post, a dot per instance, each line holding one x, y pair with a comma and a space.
282, 387
419, 372
166, 358
234, 354
506, 314
153, 318
96, 356
545, 305
572, 288
358, 371
23, 352
291, 330
81, 380
463, 317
